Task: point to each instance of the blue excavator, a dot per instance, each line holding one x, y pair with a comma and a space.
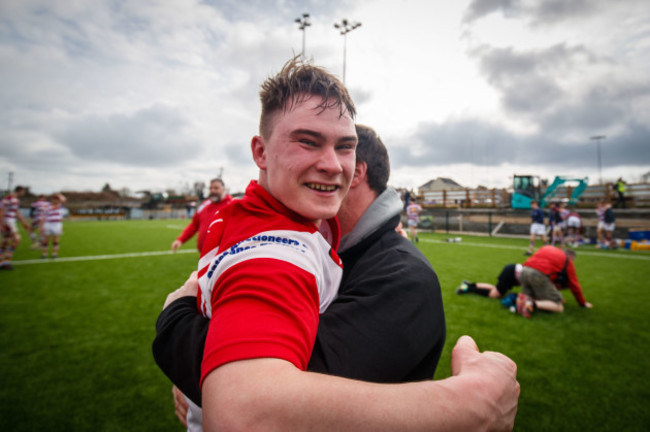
527, 188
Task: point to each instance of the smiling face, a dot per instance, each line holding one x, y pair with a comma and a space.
308, 159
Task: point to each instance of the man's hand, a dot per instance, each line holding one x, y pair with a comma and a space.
588, 305
190, 288
176, 244
180, 405
494, 376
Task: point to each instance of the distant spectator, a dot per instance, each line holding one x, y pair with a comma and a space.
51, 227
574, 226
217, 200
609, 223
620, 190
413, 214
9, 214
600, 230
537, 227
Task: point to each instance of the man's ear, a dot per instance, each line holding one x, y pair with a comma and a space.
360, 169
258, 148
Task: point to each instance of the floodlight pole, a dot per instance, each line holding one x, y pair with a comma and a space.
303, 24
345, 27
598, 139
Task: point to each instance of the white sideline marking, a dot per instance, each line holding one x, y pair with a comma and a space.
100, 257
578, 251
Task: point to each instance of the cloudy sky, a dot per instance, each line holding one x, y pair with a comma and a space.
160, 94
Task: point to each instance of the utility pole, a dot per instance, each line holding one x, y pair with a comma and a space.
345, 27
303, 23
598, 139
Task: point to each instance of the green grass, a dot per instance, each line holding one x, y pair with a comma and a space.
76, 335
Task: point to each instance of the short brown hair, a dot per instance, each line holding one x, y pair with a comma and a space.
372, 151
295, 83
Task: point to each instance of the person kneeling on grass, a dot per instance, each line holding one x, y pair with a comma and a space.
541, 277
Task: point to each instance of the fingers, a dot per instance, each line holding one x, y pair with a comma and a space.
463, 351
180, 405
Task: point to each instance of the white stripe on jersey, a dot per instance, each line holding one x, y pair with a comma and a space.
302, 249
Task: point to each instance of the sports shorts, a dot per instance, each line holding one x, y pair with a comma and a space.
538, 286
573, 222
52, 228
537, 229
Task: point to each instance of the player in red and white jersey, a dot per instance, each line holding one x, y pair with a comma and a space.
9, 214
52, 225
37, 212
204, 215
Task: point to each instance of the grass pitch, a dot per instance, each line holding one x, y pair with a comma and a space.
76, 333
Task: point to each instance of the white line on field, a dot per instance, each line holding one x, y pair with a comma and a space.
101, 257
579, 252
174, 226
168, 252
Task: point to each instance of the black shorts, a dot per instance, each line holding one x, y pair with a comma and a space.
507, 279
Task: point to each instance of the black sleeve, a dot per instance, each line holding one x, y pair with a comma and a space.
178, 347
388, 324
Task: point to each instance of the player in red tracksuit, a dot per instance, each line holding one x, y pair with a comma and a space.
540, 276
217, 200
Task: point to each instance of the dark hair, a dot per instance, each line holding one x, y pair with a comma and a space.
19, 188
372, 151
297, 82
570, 253
218, 180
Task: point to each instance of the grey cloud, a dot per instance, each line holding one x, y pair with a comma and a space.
485, 144
527, 79
536, 11
154, 136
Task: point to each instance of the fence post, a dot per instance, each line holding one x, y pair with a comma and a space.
447, 221
490, 223
444, 198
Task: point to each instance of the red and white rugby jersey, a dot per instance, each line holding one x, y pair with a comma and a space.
54, 214
265, 274
11, 206
40, 207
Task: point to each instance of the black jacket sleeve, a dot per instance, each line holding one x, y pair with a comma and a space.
178, 347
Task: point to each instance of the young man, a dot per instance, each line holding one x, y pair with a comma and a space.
36, 214
217, 200
540, 276
609, 224
413, 214
537, 227
257, 345
9, 214
574, 227
51, 227
361, 335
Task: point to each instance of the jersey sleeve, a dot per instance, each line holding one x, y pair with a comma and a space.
265, 308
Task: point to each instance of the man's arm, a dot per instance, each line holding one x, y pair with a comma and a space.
187, 233
181, 329
272, 394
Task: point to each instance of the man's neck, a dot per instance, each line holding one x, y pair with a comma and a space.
354, 206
